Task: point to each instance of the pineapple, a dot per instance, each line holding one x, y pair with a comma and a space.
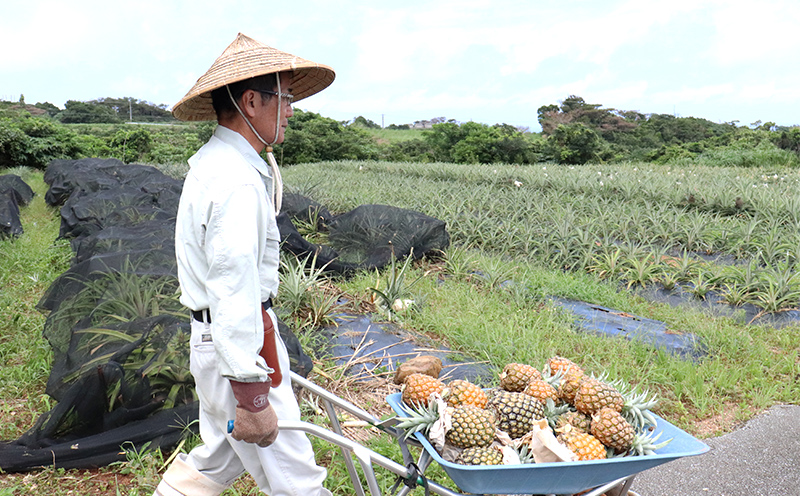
515, 376
459, 392
471, 426
593, 394
541, 390
516, 412
611, 429
585, 446
418, 388
480, 456
577, 420
560, 364
569, 382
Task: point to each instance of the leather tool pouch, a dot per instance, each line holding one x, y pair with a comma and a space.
269, 350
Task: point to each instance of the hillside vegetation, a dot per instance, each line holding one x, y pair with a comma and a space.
574, 132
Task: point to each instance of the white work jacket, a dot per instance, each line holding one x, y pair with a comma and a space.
227, 249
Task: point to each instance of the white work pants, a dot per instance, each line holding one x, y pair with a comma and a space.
285, 468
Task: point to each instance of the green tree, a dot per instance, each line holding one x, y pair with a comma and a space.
789, 140
82, 112
472, 142
48, 107
365, 123
576, 144
311, 137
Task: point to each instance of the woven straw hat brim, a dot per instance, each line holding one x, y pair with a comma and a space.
246, 58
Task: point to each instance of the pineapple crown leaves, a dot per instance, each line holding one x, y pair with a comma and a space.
550, 378
645, 444
553, 411
636, 410
525, 454
420, 418
637, 406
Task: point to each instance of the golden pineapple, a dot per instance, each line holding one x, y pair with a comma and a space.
577, 420
585, 446
515, 376
471, 426
611, 429
593, 394
568, 386
459, 392
516, 412
418, 388
480, 456
560, 364
541, 390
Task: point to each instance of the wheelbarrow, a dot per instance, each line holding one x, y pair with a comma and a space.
589, 478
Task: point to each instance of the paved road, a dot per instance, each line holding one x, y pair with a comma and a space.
762, 458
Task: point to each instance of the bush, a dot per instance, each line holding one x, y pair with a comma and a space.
131, 145
765, 154
13, 144
35, 142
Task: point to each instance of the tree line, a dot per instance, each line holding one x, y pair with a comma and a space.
573, 132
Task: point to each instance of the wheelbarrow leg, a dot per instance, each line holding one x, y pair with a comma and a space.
348, 460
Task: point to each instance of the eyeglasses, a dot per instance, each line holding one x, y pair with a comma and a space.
288, 97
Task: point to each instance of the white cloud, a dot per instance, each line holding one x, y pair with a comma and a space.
755, 31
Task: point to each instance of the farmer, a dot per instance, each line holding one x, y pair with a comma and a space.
226, 243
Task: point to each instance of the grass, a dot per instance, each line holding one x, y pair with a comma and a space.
487, 296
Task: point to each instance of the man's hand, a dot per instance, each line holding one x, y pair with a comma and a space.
256, 420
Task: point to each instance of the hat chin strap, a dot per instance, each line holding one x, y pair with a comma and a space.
277, 180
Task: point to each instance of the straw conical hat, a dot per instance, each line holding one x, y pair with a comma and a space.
243, 59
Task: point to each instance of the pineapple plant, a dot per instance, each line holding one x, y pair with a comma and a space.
516, 412
516, 376
611, 429
418, 388
585, 446
459, 392
471, 426
480, 455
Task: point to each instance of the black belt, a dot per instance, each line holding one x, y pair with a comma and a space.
205, 314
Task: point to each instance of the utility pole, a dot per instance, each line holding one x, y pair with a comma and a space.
130, 108
382, 126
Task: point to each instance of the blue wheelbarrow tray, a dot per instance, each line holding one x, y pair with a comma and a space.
562, 477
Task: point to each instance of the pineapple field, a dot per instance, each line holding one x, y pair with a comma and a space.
708, 251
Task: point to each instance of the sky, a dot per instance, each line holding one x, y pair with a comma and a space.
396, 62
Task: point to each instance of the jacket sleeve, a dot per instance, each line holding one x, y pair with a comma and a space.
234, 229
